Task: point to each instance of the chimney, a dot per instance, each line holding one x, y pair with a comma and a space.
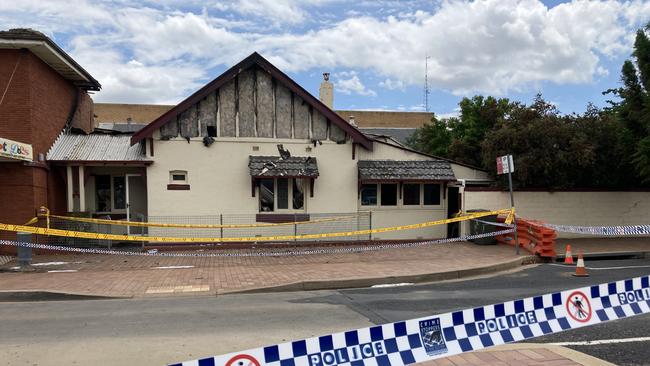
326, 91
352, 121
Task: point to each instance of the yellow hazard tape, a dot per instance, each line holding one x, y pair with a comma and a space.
187, 226
98, 236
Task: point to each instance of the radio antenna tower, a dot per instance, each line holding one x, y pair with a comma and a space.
426, 83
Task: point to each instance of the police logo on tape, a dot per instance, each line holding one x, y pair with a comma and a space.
432, 337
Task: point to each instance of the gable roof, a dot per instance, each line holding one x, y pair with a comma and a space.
48, 51
254, 59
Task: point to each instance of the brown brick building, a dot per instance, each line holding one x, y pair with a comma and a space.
43, 91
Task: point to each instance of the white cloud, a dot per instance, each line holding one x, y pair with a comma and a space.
159, 52
391, 84
348, 82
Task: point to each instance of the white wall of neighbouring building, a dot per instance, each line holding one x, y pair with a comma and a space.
580, 208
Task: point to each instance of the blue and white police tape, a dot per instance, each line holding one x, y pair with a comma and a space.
623, 230
437, 336
256, 253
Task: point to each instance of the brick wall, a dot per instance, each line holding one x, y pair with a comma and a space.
34, 111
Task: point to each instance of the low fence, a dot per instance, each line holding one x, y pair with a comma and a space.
287, 224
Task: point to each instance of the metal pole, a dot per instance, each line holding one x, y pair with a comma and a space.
221, 224
512, 205
24, 253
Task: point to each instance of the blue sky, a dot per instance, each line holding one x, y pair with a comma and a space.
162, 51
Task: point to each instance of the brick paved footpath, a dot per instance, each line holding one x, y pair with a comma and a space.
125, 276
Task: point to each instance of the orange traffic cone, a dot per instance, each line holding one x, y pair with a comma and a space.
581, 271
568, 257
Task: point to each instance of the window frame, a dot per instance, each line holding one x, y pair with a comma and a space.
289, 208
113, 210
400, 195
178, 172
440, 196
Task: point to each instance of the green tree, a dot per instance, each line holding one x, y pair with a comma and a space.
433, 138
633, 107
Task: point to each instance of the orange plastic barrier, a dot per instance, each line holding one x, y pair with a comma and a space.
534, 237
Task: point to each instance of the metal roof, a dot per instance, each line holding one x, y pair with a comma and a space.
430, 170
275, 166
96, 147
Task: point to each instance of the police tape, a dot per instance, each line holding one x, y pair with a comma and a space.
438, 336
624, 230
499, 224
186, 226
164, 239
256, 253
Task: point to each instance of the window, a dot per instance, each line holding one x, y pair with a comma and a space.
369, 195
119, 192
283, 194
267, 195
298, 194
212, 131
431, 194
103, 193
388, 194
276, 194
178, 177
411, 194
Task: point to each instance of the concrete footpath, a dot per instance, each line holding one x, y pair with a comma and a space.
131, 276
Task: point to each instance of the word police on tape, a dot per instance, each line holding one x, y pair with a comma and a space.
423, 339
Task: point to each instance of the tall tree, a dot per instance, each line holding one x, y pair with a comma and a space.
633, 108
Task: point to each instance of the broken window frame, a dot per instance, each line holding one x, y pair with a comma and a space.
276, 194
111, 199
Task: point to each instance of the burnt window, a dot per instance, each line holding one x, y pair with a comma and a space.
267, 195
368, 195
283, 194
103, 193
431, 194
298, 194
119, 192
411, 194
389, 194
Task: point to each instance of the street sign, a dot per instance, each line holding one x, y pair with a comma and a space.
505, 164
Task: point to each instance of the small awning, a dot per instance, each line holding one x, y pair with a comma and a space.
274, 166
404, 170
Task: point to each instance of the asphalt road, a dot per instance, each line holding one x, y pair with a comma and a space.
158, 331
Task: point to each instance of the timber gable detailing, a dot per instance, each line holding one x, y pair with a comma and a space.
253, 104
253, 99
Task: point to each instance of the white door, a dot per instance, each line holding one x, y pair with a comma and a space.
129, 183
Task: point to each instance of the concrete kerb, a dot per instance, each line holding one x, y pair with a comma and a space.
371, 281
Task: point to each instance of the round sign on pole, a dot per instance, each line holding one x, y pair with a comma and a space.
578, 307
243, 360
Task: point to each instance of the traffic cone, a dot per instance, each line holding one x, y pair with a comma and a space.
568, 257
581, 271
